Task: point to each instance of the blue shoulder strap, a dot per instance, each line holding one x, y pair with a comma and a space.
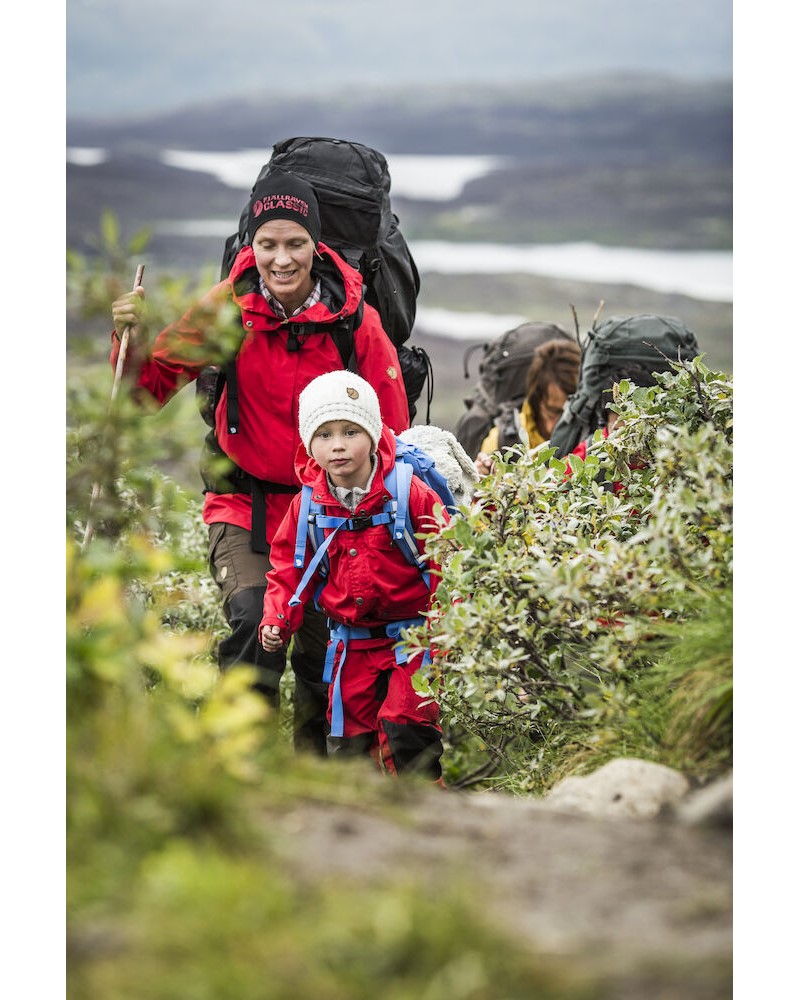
302, 528
319, 555
424, 466
394, 516
398, 482
310, 514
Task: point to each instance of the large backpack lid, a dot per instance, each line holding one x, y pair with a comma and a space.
352, 184
348, 178
641, 340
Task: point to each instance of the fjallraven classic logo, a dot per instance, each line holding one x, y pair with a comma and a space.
352, 393
275, 201
391, 371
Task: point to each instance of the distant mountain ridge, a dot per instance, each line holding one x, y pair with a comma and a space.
623, 160
547, 120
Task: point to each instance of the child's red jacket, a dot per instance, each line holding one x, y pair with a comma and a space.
370, 582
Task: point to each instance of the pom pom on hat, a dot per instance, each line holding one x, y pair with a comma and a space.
339, 395
283, 196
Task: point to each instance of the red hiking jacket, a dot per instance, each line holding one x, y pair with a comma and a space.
580, 450
270, 376
370, 582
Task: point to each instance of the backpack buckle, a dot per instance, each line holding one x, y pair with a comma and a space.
360, 522
293, 342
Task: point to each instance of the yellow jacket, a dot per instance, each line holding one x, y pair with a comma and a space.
528, 434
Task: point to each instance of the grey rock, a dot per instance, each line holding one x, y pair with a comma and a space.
709, 806
625, 788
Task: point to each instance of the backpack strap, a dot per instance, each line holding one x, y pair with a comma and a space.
424, 466
302, 527
343, 335
232, 415
308, 516
398, 482
320, 522
315, 562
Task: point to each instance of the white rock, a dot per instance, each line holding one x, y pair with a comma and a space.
709, 806
625, 788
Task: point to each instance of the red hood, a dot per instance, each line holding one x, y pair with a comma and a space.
329, 261
309, 471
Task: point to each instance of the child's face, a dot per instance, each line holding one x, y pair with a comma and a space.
343, 450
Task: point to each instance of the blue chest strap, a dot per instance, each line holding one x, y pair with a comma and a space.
318, 560
394, 516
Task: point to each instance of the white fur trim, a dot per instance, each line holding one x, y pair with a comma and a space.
451, 460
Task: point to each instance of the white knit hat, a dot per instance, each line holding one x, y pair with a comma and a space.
339, 395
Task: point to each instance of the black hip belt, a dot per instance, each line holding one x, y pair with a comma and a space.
221, 475
259, 488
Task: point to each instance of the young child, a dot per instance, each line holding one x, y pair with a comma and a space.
370, 592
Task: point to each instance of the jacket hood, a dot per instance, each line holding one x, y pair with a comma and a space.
342, 285
309, 471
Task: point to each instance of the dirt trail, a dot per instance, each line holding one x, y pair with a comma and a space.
645, 904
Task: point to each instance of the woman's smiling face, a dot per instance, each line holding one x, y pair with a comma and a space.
284, 253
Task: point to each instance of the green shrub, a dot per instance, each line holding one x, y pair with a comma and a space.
564, 598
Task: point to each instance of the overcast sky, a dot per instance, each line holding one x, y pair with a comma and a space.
126, 58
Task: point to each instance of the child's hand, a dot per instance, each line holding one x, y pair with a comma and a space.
271, 638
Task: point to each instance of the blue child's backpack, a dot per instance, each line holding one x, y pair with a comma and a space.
410, 461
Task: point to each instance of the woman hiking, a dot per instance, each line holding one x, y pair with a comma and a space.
292, 293
551, 378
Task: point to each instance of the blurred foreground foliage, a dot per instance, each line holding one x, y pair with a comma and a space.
588, 624
176, 884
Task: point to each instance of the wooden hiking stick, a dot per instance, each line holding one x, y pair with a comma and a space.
123, 351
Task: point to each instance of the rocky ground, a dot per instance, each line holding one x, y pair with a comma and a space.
626, 878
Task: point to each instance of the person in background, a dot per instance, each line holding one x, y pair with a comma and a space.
291, 291
552, 377
369, 590
500, 387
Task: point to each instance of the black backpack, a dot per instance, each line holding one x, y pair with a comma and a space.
352, 184
500, 390
629, 346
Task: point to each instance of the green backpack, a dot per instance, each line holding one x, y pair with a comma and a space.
639, 345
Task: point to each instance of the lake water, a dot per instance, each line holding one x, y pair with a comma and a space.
437, 177
700, 274
706, 275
